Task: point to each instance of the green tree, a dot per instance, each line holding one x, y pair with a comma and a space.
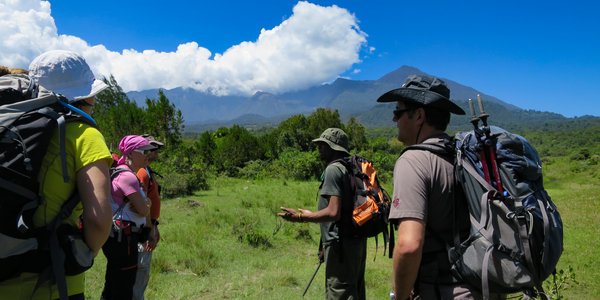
116, 115
206, 146
236, 148
269, 143
164, 120
322, 119
294, 133
357, 135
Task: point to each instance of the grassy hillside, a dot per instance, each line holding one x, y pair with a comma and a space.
226, 243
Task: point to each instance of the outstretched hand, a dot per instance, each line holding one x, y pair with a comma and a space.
292, 215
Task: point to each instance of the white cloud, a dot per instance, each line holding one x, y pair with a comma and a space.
314, 45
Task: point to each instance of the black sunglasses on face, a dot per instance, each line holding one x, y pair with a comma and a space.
398, 113
144, 152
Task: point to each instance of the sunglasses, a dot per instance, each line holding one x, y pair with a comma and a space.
142, 151
399, 112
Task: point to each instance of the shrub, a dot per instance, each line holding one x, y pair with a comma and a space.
181, 173
581, 154
565, 279
294, 164
255, 169
182, 184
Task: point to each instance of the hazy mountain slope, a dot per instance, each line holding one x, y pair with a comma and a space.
350, 97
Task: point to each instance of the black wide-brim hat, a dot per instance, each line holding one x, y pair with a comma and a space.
425, 91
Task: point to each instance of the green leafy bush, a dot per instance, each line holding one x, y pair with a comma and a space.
581, 154
294, 164
182, 174
182, 184
255, 169
564, 279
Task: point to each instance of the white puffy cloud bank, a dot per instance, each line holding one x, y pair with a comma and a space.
314, 45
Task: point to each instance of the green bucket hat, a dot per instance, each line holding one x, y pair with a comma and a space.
336, 138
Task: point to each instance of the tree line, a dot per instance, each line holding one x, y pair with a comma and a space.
286, 150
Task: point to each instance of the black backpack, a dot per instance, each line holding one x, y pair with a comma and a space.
29, 116
371, 202
516, 233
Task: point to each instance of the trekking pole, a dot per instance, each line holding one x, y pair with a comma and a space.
480, 136
492, 177
474, 118
312, 278
482, 114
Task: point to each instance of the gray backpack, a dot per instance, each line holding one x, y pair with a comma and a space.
516, 233
29, 116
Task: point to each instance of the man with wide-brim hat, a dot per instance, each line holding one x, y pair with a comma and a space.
423, 188
423, 94
344, 255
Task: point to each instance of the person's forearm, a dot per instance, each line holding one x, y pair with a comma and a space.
318, 216
331, 213
407, 257
95, 235
139, 204
405, 271
97, 222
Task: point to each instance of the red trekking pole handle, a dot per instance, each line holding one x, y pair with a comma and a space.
489, 152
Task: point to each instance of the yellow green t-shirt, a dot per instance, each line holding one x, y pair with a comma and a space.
84, 145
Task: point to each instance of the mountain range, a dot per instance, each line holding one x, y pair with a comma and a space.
204, 111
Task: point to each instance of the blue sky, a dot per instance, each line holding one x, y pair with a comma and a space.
542, 55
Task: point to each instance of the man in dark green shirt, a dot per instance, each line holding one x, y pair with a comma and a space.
344, 254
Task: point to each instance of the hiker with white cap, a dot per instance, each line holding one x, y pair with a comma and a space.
87, 161
344, 255
68, 74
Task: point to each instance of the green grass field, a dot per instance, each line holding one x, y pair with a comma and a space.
227, 243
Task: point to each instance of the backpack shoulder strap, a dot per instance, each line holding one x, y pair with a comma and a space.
344, 161
444, 147
56, 270
116, 171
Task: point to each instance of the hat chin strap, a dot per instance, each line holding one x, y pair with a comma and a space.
418, 134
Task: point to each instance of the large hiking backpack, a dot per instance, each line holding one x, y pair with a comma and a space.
516, 230
29, 115
371, 203
516, 233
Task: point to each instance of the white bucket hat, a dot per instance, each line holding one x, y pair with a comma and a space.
65, 73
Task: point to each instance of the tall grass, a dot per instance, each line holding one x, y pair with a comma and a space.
575, 188
227, 243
